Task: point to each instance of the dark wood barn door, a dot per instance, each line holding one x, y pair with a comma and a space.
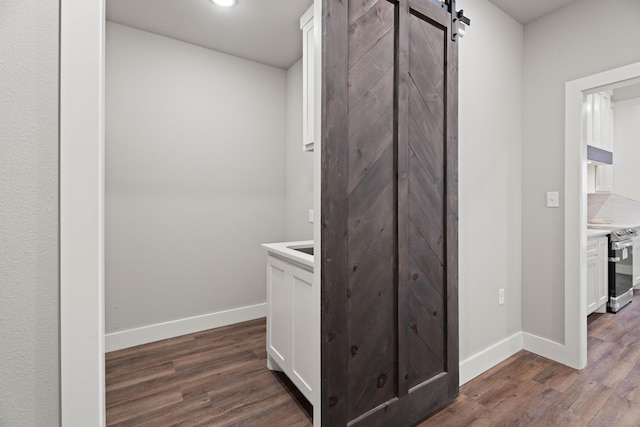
389, 212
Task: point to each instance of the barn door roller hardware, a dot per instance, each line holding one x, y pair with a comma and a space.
457, 17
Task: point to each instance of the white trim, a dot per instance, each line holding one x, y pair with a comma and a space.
574, 351
82, 390
161, 331
481, 362
575, 250
544, 347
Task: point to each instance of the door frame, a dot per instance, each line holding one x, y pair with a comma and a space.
81, 121
574, 353
82, 195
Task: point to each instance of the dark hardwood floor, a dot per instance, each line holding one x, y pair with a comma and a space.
212, 378
219, 378
529, 390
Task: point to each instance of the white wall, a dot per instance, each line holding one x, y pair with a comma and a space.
299, 198
583, 38
626, 128
195, 178
490, 138
29, 285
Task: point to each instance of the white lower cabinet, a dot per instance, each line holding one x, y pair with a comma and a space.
290, 322
592, 275
597, 271
603, 273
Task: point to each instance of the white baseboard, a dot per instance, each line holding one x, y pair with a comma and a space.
490, 357
544, 347
161, 331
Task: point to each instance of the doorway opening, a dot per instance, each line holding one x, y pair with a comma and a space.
82, 191
576, 92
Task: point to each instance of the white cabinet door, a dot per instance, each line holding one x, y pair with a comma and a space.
599, 120
302, 346
597, 274
290, 331
606, 122
592, 275
604, 178
602, 287
279, 301
596, 112
308, 82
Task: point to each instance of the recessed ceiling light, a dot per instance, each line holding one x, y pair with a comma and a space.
225, 3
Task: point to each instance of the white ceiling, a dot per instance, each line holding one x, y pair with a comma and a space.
525, 11
266, 31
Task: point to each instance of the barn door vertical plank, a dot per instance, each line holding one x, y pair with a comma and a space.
453, 350
334, 403
402, 161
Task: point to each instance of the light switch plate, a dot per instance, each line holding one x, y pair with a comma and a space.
553, 199
310, 215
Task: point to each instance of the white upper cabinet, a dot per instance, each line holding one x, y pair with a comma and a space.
606, 122
598, 128
306, 25
599, 121
604, 178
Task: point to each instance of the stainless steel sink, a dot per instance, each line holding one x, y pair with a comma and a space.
308, 250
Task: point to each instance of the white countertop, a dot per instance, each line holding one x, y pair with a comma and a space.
286, 250
597, 232
612, 226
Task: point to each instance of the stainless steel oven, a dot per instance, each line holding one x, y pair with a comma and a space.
620, 268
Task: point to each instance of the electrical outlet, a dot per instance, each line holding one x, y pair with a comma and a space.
500, 296
310, 215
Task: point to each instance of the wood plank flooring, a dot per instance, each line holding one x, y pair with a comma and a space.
529, 390
212, 378
219, 378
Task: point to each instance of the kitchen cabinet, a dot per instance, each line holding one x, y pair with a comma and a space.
592, 275
604, 178
598, 126
602, 286
597, 270
308, 79
290, 321
599, 121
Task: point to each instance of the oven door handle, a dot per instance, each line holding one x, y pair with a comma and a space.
616, 246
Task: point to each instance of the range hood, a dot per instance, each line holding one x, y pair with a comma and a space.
599, 155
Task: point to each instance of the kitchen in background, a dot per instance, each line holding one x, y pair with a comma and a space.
611, 125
